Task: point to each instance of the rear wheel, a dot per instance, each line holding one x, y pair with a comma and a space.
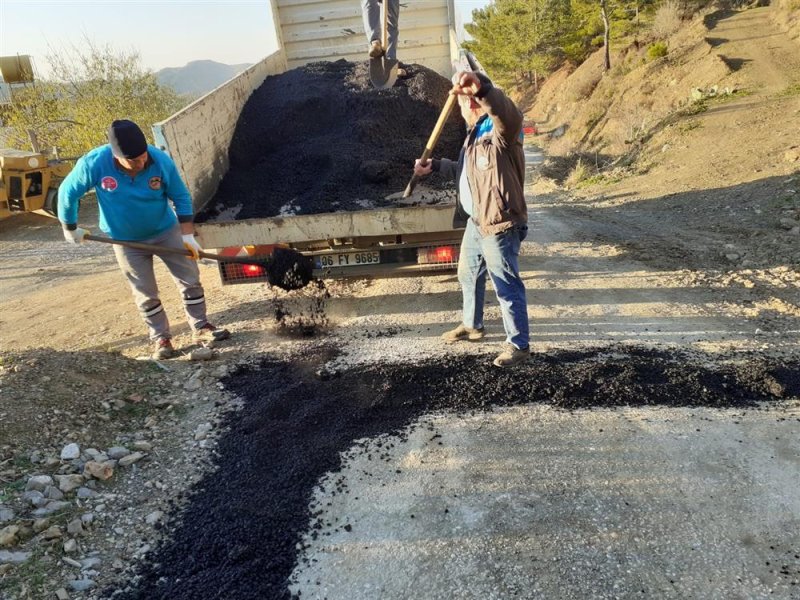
51, 201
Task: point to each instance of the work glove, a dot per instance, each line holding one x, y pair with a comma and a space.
190, 243
75, 236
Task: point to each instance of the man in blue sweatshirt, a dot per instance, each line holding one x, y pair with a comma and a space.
142, 198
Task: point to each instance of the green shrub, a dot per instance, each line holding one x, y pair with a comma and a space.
577, 52
656, 50
792, 90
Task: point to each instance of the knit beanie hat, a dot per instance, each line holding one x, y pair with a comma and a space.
126, 139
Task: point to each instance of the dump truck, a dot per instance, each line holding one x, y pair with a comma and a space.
361, 243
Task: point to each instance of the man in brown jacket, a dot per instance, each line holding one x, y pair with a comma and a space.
490, 173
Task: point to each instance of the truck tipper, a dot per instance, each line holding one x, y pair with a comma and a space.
355, 243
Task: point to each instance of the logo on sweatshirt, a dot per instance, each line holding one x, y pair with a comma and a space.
154, 183
109, 184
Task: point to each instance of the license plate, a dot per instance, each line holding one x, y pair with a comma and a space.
348, 259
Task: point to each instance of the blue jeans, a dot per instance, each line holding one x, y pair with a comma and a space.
497, 255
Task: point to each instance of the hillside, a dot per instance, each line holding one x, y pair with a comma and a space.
198, 76
697, 150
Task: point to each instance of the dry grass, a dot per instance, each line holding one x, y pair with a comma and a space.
585, 88
667, 19
579, 173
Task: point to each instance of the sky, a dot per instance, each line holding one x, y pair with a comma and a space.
165, 33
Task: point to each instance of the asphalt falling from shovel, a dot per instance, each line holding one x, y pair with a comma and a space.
305, 322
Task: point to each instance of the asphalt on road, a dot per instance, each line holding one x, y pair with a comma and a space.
270, 509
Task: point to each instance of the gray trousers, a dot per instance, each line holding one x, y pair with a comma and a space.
137, 266
373, 23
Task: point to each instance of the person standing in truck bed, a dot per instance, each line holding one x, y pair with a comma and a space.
373, 25
142, 198
490, 174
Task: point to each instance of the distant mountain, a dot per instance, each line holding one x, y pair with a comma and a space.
198, 76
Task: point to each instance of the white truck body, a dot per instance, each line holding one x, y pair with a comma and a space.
198, 137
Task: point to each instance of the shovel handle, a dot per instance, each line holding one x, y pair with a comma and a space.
385, 27
437, 130
167, 250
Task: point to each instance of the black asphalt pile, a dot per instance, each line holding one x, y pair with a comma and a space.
319, 139
238, 534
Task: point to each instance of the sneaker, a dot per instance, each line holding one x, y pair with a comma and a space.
512, 356
375, 50
163, 349
208, 334
462, 332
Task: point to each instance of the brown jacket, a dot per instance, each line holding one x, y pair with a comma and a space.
495, 166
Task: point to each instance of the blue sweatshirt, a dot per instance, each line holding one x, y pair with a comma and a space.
131, 208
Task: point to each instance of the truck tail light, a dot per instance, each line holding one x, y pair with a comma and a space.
437, 255
445, 254
253, 270
241, 273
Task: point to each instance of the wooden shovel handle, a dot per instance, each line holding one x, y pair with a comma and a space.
167, 250
437, 130
385, 28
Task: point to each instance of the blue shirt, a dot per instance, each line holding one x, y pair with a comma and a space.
131, 208
483, 127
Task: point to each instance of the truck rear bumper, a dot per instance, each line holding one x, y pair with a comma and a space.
364, 272
348, 262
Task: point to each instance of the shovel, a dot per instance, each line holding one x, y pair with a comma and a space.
382, 70
285, 268
437, 130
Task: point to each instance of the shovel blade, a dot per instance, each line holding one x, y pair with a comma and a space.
288, 269
383, 72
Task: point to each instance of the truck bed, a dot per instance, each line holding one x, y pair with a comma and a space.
201, 139
297, 229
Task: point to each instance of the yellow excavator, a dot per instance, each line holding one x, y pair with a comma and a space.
28, 180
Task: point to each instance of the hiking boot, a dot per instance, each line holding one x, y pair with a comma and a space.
462, 332
375, 50
208, 334
512, 356
163, 349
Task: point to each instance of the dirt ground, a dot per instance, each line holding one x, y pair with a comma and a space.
668, 501
585, 291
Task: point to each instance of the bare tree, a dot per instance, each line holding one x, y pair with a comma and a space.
606, 35
89, 87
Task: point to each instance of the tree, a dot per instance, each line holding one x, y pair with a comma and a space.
519, 39
89, 88
606, 35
